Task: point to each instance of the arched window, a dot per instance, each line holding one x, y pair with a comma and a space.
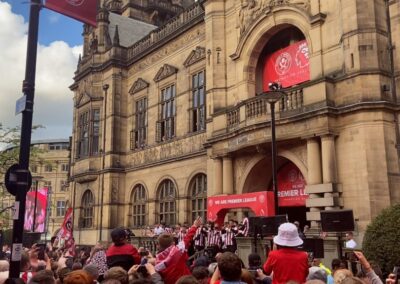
198, 195
87, 209
167, 206
139, 206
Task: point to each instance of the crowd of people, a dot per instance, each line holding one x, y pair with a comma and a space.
123, 263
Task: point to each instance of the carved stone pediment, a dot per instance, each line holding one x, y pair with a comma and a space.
304, 4
164, 72
86, 93
83, 98
195, 56
139, 85
251, 10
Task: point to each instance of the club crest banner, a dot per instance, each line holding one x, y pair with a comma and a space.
81, 10
288, 66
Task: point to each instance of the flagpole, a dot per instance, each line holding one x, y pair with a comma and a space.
28, 89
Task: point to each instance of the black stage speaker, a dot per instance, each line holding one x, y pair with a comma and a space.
314, 246
337, 221
266, 226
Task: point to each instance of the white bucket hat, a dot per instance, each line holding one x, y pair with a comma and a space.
288, 236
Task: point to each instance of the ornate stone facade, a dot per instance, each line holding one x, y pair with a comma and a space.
151, 137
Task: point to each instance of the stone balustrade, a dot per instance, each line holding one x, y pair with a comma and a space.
256, 109
169, 28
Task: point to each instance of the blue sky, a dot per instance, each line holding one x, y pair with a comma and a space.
53, 26
60, 43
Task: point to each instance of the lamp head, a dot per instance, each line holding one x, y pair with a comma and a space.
274, 86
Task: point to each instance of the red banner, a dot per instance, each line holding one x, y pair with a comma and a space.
81, 10
40, 214
291, 187
261, 203
288, 66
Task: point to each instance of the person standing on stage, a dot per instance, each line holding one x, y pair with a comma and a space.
230, 237
214, 239
244, 228
200, 238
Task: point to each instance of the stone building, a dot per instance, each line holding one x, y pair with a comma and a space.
49, 169
167, 115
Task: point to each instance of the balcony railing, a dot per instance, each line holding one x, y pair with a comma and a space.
257, 108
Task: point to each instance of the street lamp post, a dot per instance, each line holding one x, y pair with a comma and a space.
272, 97
36, 180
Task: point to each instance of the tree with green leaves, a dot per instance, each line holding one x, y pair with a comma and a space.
382, 239
9, 155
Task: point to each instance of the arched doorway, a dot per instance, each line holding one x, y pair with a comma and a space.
291, 187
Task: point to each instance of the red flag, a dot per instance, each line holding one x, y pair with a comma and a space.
64, 236
81, 10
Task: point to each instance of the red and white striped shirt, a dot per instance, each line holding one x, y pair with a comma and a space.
214, 238
230, 236
200, 237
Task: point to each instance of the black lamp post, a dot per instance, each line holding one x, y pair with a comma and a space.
36, 180
272, 97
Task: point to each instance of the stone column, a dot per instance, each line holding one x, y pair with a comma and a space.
217, 176
328, 159
227, 179
151, 213
314, 161
314, 177
328, 164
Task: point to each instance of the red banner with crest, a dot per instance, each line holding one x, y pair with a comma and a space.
81, 10
288, 66
291, 186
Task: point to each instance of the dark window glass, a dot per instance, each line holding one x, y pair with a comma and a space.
88, 133
198, 109
139, 135
198, 191
166, 126
87, 209
167, 206
139, 206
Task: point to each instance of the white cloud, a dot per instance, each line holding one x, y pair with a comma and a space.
55, 68
53, 18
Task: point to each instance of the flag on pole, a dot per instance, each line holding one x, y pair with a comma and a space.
81, 10
65, 238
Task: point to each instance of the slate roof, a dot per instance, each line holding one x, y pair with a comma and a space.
130, 30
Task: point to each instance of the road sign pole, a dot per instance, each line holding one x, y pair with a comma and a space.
26, 129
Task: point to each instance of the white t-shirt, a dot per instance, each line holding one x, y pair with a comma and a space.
158, 231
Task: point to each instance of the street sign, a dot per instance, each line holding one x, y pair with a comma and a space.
20, 105
17, 178
15, 210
